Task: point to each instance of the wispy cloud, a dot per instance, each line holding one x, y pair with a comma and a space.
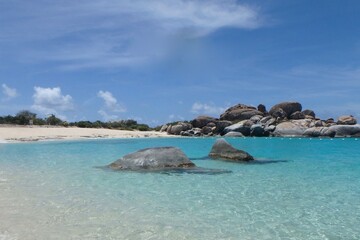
207, 108
9, 92
51, 101
111, 33
174, 117
111, 106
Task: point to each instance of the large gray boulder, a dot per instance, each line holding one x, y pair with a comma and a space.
202, 121
160, 158
319, 132
223, 150
288, 108
178, 128
257, 130
297, 115
308, 112
243, 127
346, 120
164, 128
334, 131
234, 134
291, 128
221, 125
240, 112
346, 130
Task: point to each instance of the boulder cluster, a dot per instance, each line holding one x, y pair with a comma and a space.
173, 158
286, 119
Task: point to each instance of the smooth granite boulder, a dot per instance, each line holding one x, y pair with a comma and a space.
221, 125
164, 128
223, 150
240, 112
319, 132
291, 128
178, 128
288, 107
308, 112
346, 130
257, 130
346, 120
297, 115
234, 134
202, 121
159, 158
242, 127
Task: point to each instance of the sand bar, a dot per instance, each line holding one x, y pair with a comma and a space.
10, 133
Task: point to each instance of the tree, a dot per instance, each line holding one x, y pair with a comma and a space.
53, 120
24, 117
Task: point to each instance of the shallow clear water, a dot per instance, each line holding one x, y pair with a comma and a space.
53, 190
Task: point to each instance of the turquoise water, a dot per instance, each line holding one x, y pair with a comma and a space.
53, 190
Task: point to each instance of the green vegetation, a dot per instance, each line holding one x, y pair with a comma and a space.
28, 118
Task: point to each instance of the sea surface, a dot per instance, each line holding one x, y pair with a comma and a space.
309, 189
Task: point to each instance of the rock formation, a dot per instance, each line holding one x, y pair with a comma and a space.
284, 119
153, 159
223, 150
286, 107
240, 112
346, 120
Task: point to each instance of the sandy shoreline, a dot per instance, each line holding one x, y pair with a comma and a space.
10, 133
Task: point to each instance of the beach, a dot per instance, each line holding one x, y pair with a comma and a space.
10, 133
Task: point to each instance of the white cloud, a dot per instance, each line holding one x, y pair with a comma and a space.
51, 101
106, 116
110, 33
111, 102
111, 106
9, 92
204, 108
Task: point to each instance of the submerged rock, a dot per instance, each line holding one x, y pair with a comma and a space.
223, 150
160, 158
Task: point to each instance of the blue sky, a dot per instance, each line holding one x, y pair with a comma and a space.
165, 60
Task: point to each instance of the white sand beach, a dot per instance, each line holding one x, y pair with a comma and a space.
10, 133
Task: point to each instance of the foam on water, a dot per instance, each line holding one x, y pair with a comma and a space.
53, 191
